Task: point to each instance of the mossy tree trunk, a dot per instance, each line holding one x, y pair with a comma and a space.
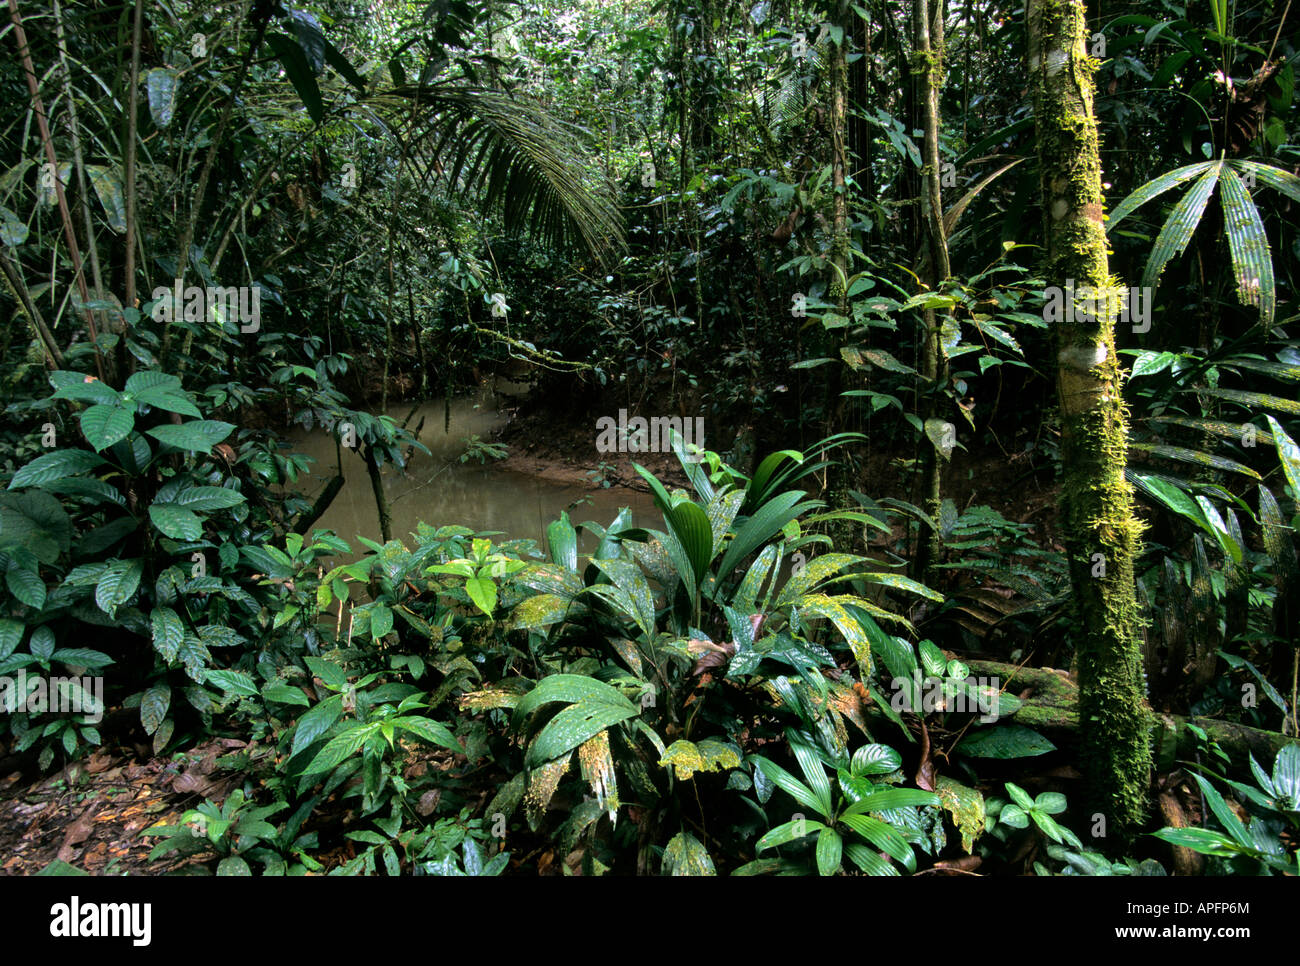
1100, 530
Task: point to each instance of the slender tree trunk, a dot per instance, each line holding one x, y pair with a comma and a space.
1100, 530
381, 498
934, 363
840, 159
842, 474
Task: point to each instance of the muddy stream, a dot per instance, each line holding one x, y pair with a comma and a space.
441, 490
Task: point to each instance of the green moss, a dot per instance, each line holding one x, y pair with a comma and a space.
1096, 500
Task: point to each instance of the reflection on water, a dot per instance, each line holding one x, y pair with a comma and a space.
440, 490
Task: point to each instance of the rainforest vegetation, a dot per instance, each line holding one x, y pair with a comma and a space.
649, 437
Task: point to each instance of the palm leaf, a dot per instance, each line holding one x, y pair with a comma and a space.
519, 158
959, 207
1252, 399
1215, 427
1252, 263
1276, 178
1154, 188
1200, 458
1178, 229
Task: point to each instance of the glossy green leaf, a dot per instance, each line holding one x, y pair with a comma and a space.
104, 425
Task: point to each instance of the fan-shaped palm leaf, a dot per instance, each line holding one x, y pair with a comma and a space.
1247, 241
1178, 229
1252, 262
524, 162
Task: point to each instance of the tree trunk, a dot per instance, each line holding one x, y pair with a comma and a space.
1101, 533
934, 364
381, 498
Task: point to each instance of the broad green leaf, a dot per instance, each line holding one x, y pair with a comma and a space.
198, 435
83, 388
1197, 457
11, 635
787, 833
880, 834
205, 499
483, 592
888, 798
789, 784
830, 849
431, 731
562, 540
233, 682
176, 522
568, 688
1286, 777
162, 83
1289, 453
575, 724
104, 424
690, 524
381, 621
107, 183
300, 73
316, 722
868, 861
117, 584
1226, 816
542, 610
814, 572
1201, 840
153, 707
340, 748
26, 586
875, 760
814, 773
168, 632
684, 855
56, 466
1005, 741
1276, 178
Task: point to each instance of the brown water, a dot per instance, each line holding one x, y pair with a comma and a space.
441, 490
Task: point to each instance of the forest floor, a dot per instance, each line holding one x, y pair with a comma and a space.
91, 814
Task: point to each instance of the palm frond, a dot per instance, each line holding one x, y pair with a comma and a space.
518, 158
1276, 178
1178, 229
1194, 456
955, 212
1252, 263
1155, 187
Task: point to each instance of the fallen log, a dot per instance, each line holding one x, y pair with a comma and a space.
1051, 708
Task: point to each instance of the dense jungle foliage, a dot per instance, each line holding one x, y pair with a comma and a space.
985, 563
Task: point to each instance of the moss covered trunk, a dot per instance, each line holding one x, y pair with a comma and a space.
1101, 532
